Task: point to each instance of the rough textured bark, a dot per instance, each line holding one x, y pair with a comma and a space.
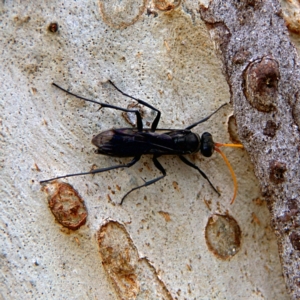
262, 70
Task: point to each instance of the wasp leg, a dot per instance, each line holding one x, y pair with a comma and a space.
206, 118
137, 113
134, 160
187, 162
159, 167
157, 118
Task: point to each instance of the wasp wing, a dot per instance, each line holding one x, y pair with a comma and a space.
129, 142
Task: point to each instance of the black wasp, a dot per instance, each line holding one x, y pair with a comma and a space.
135, 142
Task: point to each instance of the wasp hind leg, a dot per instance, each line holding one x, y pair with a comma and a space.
105, 105
157, 118
128, 165
159, 167
190, 164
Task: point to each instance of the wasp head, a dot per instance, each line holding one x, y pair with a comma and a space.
207, 145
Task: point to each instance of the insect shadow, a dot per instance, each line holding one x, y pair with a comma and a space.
135, 142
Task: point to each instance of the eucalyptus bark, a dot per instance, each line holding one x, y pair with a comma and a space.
262, 70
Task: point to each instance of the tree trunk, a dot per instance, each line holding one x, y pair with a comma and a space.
177, 238
262, 69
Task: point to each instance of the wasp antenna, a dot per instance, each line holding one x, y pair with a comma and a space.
229, 167
229, 145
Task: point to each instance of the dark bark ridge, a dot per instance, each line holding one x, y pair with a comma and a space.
262, 69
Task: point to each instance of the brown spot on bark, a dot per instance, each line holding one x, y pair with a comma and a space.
241, 56
166, 215
295, 239
66, 205
132, 277
296, 110
232, 130
223, 236
166, 5
53, 27
261, 84
121, 14
277, 170
270, 129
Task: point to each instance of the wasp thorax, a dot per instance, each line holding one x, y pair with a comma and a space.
207, 144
